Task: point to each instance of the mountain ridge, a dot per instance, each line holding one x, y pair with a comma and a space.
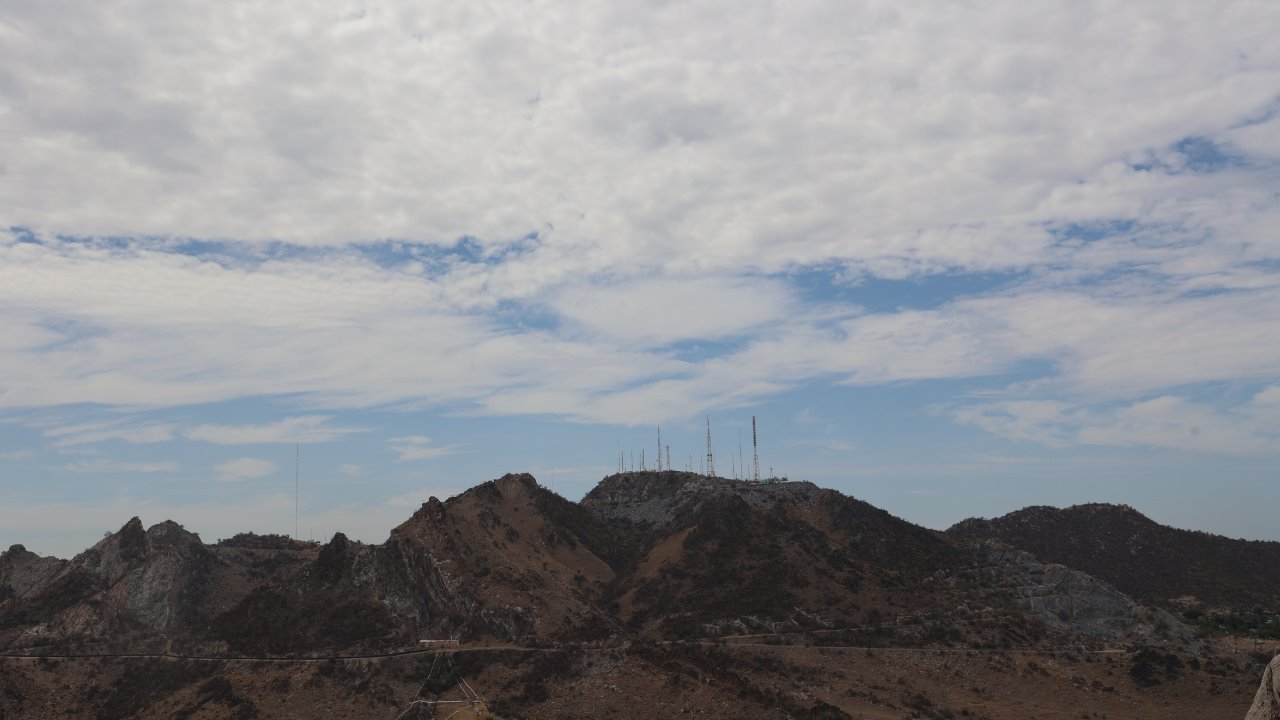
651, 577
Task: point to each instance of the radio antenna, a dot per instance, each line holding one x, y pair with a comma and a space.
711, 461
297, 473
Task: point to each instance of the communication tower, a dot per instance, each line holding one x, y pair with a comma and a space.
755, 452
659, 448
711, 461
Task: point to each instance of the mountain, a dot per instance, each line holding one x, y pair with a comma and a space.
1153, 563
658, 594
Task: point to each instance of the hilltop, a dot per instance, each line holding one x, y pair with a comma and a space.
1157, 564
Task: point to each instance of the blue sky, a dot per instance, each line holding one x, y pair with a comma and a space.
955, 262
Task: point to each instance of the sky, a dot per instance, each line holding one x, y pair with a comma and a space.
956, 258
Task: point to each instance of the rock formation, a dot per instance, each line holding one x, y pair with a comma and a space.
1266, 705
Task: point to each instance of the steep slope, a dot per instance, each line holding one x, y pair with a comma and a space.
506, 560
1149, 561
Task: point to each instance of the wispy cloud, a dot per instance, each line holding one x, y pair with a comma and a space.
16, 455
1166, 421
351, 470
417, 447
242, 469
89, 433
305, 429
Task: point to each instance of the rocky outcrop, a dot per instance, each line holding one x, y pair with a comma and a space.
132, 581
1074, 601
1266, 704
24, 573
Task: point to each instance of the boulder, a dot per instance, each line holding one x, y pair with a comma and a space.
1266, 704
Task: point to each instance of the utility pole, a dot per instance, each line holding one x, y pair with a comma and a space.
755, 452
711, 461
668, 457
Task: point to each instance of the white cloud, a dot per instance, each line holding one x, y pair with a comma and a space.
893, 136
242, 469
678, 186
67, 436
417, 447
304, 429
1166, 421
16, 455
114, 466
656, 311
351, 470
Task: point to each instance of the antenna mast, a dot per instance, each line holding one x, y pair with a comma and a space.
755, 452
711, 461
742, 464
297, 473
659, 448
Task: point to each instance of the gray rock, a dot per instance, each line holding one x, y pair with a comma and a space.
1075, 601
1266, 704
24, 573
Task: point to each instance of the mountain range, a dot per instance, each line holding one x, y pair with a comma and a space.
658, 593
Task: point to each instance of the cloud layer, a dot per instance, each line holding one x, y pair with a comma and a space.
616, 212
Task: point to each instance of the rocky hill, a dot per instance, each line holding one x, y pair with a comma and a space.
1153, 563
668, 588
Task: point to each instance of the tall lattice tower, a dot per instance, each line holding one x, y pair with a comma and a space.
711, 461
755, 452
659, 448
